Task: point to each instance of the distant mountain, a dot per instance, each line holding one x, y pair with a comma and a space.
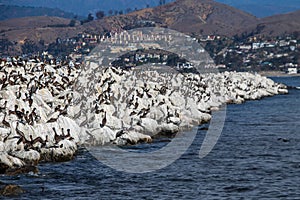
277, 25
83, 7
8, 12
264, 8
188, 16
258, 8
36, 29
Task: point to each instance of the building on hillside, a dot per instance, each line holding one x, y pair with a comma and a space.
292, 70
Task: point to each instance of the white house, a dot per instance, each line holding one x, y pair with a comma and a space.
292, 70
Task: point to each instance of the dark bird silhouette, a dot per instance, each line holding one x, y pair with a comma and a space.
144, 110
104, 120
162, 102
56, 146
119, 133
136, 105
283, 139
3, 107
176, 114
4, 122
13, 112
19, 93
139, 94
63, 133
148, 95
20, 114
53, 119
57, 137
132, 113
163, 90
38, 139
131, 101
68, 136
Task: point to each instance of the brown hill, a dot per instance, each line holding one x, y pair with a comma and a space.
12, 11
189, 16
277, 25
34, 28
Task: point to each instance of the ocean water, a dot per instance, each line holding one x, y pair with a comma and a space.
256, 157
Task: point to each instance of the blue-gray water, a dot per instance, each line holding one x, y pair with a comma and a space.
248, 162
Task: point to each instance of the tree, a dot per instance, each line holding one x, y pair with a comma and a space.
100, 14
5, 44
29, 47
121, 12
162, 2
110, 12
72, 23
128, 10
90, 18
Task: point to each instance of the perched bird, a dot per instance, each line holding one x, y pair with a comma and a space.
119, 133
104, 120
4, 122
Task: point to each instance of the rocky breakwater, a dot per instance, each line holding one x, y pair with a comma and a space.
34, 123
44, 118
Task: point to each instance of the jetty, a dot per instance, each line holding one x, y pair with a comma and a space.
48, 111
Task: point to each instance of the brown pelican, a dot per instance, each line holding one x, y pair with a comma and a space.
57, 137
38, 139
119, 133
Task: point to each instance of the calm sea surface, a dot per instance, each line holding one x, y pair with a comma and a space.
250, 161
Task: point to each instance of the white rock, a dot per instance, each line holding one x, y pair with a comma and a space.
150, 126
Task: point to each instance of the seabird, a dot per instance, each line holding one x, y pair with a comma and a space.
69, 134
132, 113
136, 105
161, 103
4, 122
57, 137
139, 94
3, 107
103, 121
119, 133
38, 139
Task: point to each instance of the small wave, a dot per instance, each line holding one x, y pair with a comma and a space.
293, 87
237, 188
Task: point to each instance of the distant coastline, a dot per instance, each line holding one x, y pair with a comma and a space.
276, 74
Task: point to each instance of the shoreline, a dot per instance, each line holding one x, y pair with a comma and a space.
276, 74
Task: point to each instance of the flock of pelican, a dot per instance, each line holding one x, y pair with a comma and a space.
47, 110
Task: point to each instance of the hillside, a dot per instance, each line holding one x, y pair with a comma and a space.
188, 16
280, 24
9, 12
204, 17
193, 17
264, 8
35, 29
